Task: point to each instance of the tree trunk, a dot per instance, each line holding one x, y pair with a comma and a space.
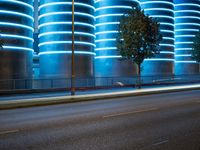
139, 76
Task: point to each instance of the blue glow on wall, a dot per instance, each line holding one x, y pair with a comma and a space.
187, 24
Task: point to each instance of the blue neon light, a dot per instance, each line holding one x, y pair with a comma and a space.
66, 42
17, 36
16, 48
16, 13
66, 52
16, 25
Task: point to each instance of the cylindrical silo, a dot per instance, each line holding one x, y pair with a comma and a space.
163, 11
16, 30
55, 38
107, 15
187, 24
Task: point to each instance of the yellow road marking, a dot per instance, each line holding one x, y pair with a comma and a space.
8, 132
131, 112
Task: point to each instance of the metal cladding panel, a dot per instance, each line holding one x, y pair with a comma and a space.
16, 30
107, 17
187, 25
55, 34
163, 11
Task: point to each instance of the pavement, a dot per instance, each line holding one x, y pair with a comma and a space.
29, 100
164, 121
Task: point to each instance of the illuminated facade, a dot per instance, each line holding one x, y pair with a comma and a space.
163, 11
16, 30
55, 34
107, 15
187, 24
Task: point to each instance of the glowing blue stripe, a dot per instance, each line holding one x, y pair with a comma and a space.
103, 57
17, 48
64, 13
186, 61
187, 17
151, 2
105, 32
106, 23
193, 11
196, 24
68, 23
20, 3
159, 59
65, 32
66, 52
167, 31
182, 49
17, 36
66, 42
188, 4
65, 3
167, 52
183, 42
168, 38
184, 36
16, 25
97, 1
105, 48
161, 16
113, 7
170, 24
16, 13
108, 15
177, 30
170, 45
159, 9
105, 40
184, 55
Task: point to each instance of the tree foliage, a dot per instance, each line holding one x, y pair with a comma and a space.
1, 42
196, 48
139, 36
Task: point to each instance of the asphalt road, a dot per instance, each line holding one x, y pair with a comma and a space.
154, 122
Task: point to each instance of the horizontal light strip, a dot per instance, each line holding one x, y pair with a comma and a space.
170, 45
184, 55
16, 25
183, 42
161, 16
113, 7
167, 31
105, 40
169, 24
166, 52
168, 38
186, 62
17, 48
16, 13
105, 32
105, 48
159, 59
194, 24
159, 9
106, 23
67, 23
21, 3
151, 2
178, 30
182, 49
106, 57
66, 42
177, 36
187, 17
65, 3
97, 1
16, 36
192, 11
66, 32
188, 4
66, 52
64, 13
108, 15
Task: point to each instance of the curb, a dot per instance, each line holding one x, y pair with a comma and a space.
11, 104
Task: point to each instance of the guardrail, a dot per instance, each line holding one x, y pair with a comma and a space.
58, 83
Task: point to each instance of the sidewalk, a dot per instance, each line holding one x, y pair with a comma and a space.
28, 100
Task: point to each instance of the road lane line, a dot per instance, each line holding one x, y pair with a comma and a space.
131, 112
8, 132
159, 143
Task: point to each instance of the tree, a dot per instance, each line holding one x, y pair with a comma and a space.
138, 37
196, 48
1, 42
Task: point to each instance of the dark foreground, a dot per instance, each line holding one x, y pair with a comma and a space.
154, 122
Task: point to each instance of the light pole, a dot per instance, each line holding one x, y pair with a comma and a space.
72, 55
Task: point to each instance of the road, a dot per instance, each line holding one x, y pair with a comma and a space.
152, 122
